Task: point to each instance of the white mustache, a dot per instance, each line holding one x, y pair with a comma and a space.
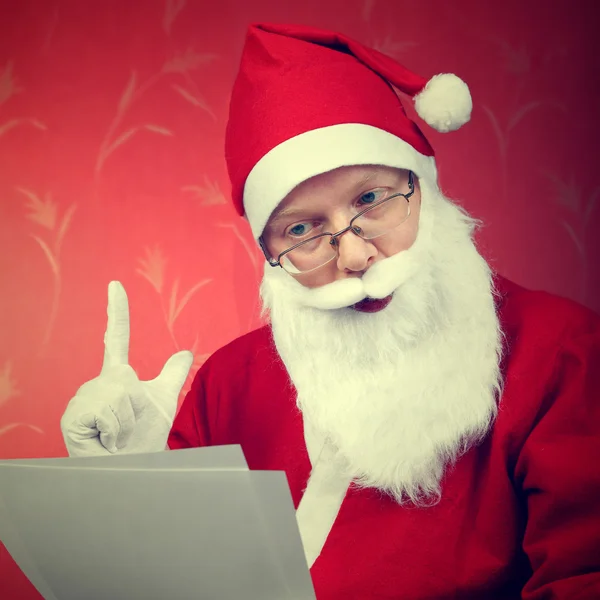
380, 280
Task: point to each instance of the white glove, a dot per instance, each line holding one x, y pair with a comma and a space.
116, 412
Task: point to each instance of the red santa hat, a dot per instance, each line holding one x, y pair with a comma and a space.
307, 101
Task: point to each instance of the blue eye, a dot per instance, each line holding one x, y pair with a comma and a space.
370, 197
300, 229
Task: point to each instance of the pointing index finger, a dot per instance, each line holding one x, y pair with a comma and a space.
116, 338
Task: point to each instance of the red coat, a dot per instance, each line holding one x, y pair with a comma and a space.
519, 514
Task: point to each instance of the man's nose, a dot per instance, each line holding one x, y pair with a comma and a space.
354, 252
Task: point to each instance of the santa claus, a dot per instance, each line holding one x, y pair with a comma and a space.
438, 424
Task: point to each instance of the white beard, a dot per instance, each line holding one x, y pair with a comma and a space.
403, 392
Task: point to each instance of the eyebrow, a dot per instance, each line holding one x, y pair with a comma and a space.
370, 175
292, 212
288, 213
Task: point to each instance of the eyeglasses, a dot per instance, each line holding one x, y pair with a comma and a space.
373, 222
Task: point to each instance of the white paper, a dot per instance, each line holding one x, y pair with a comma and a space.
94, 529
210, 457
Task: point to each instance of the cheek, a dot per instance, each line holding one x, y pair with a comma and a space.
318, 278
403, 238
398, 241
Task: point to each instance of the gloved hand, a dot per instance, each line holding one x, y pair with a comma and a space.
116, 412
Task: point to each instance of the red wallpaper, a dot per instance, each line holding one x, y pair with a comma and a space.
112, 118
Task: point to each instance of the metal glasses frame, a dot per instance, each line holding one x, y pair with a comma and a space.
276, 262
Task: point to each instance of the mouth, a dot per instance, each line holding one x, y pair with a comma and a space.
372, 305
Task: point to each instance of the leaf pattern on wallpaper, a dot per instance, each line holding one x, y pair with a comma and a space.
251, 250
12, 123
517, 64
194, 99
51, 26
516, 60
172, 9
367, 9
187, 61
8, 85
177, 304
153, 268
8, 390
8, 88
110, 142
248, 248
179, 65
8, 385
127, 94
575, 210
6, 428
208, 192
503, 132
43, 212
392, 47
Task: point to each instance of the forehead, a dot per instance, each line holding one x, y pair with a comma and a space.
337, 184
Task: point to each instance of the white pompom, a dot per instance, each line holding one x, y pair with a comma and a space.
444, 103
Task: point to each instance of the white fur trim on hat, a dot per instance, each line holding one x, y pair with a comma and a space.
445, 103
309, 154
